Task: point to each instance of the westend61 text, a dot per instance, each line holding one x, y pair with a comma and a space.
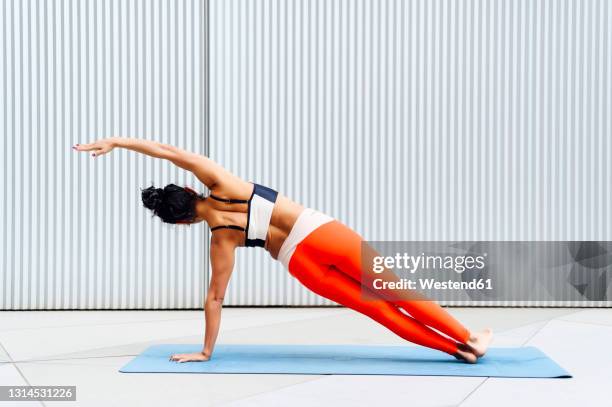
432, 284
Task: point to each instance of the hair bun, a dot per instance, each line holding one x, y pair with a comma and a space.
152, 197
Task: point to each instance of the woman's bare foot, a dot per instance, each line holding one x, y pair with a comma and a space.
465, 353
479, 342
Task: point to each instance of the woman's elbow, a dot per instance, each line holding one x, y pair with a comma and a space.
215, 298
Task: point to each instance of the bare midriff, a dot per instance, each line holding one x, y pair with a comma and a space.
284, 216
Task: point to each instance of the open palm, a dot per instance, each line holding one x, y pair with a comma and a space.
98, 147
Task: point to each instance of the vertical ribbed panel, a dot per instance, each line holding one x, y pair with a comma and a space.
73, 231
416, 120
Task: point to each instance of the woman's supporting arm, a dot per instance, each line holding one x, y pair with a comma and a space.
206, 170
222, 264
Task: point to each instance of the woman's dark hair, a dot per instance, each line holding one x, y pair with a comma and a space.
171, 203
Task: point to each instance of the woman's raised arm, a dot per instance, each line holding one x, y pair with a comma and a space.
206, 170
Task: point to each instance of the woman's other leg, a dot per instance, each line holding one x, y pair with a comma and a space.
339, 287
413, 302
335, 243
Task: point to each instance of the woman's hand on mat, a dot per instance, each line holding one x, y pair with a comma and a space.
190, 357
98, 147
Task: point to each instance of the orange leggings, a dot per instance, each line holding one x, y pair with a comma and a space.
328, 262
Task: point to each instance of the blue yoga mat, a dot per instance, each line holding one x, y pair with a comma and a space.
347, 360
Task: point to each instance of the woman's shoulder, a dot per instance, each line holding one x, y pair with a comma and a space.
233, 189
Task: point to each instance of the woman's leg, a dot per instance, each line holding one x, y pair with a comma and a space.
335, 243
421, 308
335, 285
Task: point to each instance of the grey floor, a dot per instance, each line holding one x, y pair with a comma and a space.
86, 348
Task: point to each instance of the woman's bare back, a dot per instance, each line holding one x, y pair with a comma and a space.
284, 214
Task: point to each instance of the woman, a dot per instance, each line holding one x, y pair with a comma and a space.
322, 253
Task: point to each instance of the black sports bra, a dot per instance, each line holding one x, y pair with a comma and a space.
260, 206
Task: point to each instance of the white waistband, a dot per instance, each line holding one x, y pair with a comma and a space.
306, 223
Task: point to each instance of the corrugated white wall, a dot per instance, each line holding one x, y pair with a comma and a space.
422, 119
73, 232
416, 120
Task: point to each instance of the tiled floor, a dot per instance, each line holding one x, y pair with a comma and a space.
86, 348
